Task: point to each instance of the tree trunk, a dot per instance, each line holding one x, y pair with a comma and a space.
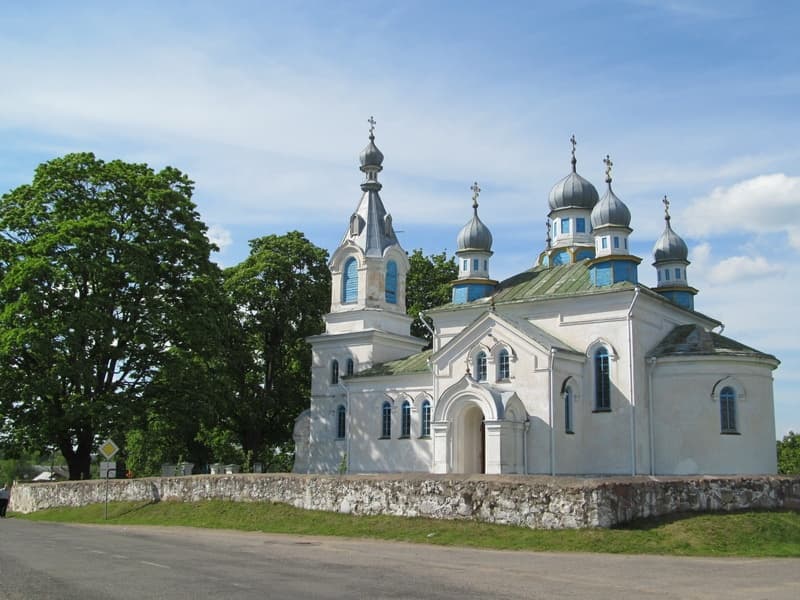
79, 461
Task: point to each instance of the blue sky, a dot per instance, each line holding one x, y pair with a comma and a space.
264, 105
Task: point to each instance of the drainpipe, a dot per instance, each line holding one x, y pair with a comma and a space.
651, 412
347, 430
632, 375
550, 416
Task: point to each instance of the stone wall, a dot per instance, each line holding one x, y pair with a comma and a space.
537, 502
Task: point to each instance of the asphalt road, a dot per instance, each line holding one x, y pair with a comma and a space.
39, 561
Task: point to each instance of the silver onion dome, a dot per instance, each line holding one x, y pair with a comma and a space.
370, 156
573, 191
610, 210
475, 235
670, 246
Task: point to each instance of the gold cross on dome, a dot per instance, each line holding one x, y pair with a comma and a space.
371, 122
608, 164
476, 191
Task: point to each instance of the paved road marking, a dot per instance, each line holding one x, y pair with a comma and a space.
152, 564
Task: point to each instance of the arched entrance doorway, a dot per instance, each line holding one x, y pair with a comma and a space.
469, 439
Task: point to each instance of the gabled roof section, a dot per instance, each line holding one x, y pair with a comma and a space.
416, 363
693, 340
526, 330
535, 333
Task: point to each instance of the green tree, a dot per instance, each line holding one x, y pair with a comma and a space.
105, 273
427, 286
279, 294
789, 454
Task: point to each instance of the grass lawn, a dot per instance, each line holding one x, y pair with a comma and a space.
772, 533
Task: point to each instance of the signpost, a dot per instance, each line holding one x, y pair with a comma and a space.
108, 469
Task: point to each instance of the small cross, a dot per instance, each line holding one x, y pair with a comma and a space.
476, 191
371, 122
609, 164
666, 207
574, 143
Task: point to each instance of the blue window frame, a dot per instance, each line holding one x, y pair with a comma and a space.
555, 228
405, 419
391, 282
677, 273
350, 367
626, 243
386, 420
616, 241
580, 225
341, 421
666, 274
486, 265
604, 242
602, 381
503, 365
564, 225
350, 281
480, 366
426, 419
727, 410
465, 265
568, 410
476, 264
335, 372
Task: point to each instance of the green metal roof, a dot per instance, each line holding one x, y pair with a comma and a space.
416, 363
694, 340
539, 282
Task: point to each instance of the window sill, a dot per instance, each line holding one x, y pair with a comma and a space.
404, 437
569, 432
729, 433
601, 410
385, 437
424, 437
340, 439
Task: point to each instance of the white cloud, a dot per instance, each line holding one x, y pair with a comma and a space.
763, 204
220, 236
743, 268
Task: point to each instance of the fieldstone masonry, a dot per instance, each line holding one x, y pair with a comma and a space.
537, 502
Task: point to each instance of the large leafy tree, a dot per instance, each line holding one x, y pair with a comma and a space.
789, 454
105, 275
428, 285
279, 294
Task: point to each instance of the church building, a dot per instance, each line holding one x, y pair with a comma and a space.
572, 367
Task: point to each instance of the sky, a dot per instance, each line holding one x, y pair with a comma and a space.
265, 106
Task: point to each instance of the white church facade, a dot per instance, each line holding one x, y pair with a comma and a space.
571, 367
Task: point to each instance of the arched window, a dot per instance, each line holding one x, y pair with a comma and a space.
425, 430
386, 420
350, 281
727, 409
602, 381
341, 418
503, 365
568, 410
480, 366
350, 367
391, 282
405, 419
335, 372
